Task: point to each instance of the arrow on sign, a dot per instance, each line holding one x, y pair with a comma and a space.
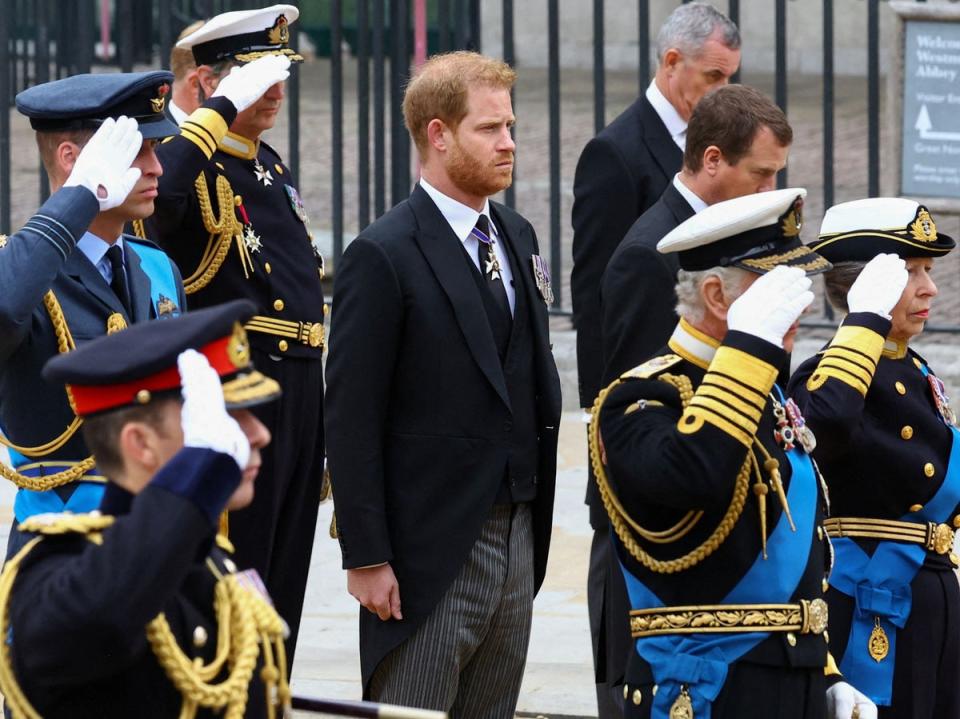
925, 128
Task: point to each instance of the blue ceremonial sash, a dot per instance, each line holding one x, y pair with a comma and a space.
701, 661
880, 588
156, 265
86, 495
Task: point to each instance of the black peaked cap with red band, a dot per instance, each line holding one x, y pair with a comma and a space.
133, 366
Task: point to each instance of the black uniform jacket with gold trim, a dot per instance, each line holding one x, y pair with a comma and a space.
881, 444
284, 280
41, 257
79, 610
664, 461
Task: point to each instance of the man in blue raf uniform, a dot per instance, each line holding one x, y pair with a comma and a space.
230, 215
714, 503
131, 611
71, 275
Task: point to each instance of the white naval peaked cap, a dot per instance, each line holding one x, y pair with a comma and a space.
244, 35
859, 230
755, 232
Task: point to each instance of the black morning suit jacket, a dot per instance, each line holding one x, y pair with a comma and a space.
417, 411
637, 298
620, 174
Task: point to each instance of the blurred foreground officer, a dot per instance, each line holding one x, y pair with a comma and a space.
714, 502
442, 410
888, 447
70, 275
230, 215
133, 611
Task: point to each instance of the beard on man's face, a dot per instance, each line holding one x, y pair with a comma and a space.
473, 176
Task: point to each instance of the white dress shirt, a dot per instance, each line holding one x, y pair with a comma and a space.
462, 220
178, 115
692, 198
676, 125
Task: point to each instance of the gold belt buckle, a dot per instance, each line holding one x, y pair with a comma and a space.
939, 538
815, 616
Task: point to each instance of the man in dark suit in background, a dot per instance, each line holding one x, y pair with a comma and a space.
442, 408
620, 174
737, 142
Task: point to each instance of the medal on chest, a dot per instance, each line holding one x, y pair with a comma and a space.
262, 173
941, 400
248, 242
541, 277
296, 203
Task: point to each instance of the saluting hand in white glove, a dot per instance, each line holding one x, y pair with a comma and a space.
246, 84
204, 418
104, 164
769, 307
845, 702
878, 287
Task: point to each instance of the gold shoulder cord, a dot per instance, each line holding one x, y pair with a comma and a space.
223, 230
13, 696
244, 621
139, 229
65, 343
623, 523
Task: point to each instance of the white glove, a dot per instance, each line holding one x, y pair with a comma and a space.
879, 286
204, 417
103, 165
246, 84
843, 700
771, 304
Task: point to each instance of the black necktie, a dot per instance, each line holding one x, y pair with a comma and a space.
119, 282
490, 265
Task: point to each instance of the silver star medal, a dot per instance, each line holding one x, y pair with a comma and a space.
251, 239
493, 268
262, 173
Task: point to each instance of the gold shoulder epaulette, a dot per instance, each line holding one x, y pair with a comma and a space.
66, 523
652, 366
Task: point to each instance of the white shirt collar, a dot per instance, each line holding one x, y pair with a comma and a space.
692, 198
676, 125
95, 250
178, 115
692, 344
460, 217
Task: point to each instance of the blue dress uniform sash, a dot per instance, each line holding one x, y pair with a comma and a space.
700, 661
155, 263
880, 588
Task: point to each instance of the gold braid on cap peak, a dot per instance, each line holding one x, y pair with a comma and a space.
625, 526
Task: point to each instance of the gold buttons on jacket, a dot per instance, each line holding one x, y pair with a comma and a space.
229, 565
637, 696
929, 469
282, 345
820, 533
278, 305
916, 507
267, 267
626, 690
900, 388
917, 363
826, 585
906, 432
199, 636
956, 521
791, 639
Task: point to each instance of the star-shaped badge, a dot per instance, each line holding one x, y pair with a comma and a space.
262, 173
251, 239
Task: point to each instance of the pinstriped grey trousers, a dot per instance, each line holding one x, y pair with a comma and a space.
468, 656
